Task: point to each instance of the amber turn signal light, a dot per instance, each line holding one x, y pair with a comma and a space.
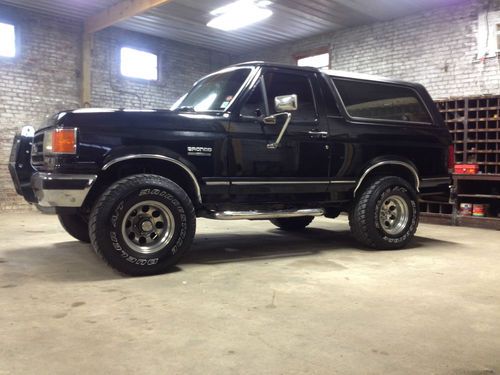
64, 141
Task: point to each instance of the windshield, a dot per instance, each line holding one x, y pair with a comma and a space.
213, 93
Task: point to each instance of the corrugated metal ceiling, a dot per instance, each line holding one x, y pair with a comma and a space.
78, 9
185, 20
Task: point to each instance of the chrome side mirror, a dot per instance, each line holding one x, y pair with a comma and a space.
286, 103
272, 120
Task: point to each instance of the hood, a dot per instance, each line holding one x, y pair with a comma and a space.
129, 118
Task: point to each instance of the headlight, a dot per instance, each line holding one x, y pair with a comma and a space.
60, 141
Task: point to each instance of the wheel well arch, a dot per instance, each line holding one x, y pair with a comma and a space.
403, 169
160, 165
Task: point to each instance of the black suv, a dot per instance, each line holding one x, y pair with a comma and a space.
253, 141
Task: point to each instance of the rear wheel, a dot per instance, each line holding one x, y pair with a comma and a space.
385, 215
76, 225
142, 225
293, 223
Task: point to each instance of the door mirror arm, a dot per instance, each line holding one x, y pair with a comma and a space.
272, 120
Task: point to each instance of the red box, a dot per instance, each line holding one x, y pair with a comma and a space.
466, 168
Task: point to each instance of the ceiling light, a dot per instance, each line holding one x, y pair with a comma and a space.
239, 14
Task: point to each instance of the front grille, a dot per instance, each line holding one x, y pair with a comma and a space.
37, 150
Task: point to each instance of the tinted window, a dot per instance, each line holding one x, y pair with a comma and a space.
381, 101
278, 84
254, 106
331, 103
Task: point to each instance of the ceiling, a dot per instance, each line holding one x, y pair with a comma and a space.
185, 20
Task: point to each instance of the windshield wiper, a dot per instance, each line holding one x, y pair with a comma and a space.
185, 108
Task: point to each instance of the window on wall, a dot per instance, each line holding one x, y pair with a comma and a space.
135, 63
7, 40
498, 37
320, 61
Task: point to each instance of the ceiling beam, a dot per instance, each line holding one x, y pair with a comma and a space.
120, 12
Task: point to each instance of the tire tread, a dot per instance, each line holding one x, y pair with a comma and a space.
112, 193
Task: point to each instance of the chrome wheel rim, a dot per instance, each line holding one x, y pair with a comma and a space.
148, 227
394, 215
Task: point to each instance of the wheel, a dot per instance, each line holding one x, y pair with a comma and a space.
292, 224
76, 225
385, 215
142, 225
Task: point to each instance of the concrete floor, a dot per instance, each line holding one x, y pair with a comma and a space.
250, 299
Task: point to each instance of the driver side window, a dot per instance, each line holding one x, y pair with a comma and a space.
278, 84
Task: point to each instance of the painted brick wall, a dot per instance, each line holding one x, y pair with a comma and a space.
39, 81
44, 77
180, 65
437, 48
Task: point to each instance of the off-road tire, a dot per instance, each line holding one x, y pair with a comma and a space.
109, 216
293, 224
364, 215
76, 225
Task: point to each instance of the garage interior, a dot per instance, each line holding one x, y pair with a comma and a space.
249, 298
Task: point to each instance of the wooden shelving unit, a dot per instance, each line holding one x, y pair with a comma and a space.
474, 124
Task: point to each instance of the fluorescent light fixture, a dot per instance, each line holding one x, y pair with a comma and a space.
7, 40
239, 14
139, 64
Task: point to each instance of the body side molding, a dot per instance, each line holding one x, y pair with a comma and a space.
158, 157
390, 162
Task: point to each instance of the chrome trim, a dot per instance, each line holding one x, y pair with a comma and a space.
275, 145
393, 162
158, 157
279, 182
437, 179
291, 182
264, 215
61, 197
286, 103
217, 183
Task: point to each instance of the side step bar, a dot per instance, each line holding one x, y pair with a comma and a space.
263, 215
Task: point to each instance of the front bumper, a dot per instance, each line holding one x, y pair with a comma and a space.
61, 190
46, 189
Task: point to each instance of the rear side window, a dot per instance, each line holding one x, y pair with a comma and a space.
378, 101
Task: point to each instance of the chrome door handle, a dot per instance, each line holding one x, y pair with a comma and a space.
318, 134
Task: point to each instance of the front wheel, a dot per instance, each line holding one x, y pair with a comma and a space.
142, 225
385, 215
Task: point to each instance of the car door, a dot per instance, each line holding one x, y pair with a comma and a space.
298, 168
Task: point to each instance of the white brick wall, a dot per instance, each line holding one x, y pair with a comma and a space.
44, 77
180, 65
437, 48
39, 81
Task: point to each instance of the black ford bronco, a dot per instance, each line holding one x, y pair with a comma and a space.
253, 141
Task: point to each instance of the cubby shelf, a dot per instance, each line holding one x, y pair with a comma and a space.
474, 125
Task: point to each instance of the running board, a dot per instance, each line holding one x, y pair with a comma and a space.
263, 215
